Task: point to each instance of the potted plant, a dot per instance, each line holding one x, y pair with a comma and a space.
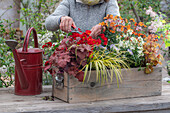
86, 69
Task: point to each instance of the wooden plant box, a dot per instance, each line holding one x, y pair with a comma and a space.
134, 84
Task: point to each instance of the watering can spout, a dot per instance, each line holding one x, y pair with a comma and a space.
19, 68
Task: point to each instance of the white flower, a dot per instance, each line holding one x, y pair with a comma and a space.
114, 47
140, 48
140, 52
3, 69
132, 48
39, 35
9, 53
55, 43
127, 43
12, 64
125, 35
45, 38
31, 47
133, 39
140, 39
130, 32
120, 44
61, 35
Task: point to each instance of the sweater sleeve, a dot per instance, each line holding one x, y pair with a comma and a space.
112, 8
52, 22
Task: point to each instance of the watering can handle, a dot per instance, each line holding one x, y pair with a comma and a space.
26, 41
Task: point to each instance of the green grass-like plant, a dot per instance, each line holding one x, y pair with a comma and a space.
106, 65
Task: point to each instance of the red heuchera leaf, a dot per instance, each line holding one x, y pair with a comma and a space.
53, 59
72, 70
80, 76
47, 67
62, 47
82, 55
63, 59
81, 62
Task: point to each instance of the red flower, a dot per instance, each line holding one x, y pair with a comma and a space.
79, 30
105, 42
80, 42
75, 34
49, 44
98, 42
47, 63
88, 32
91, 42
90, 52
83, 36
103, 37
44, 46
89, 38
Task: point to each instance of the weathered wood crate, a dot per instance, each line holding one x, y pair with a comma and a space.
134, 84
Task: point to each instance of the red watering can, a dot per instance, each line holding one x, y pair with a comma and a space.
28, 62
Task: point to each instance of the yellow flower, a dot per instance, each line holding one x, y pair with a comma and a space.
132, 20
141, 24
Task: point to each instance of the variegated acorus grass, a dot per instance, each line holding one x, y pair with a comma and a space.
106, 64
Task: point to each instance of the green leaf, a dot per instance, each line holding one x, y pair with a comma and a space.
139, 69
1, 84
69, 33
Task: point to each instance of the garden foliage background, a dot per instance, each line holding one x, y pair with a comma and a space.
33, 14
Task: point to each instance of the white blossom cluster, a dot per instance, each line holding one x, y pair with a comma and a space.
130, 45
3, 69
42, 39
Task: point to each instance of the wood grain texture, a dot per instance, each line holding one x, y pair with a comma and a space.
135, 84
60, 93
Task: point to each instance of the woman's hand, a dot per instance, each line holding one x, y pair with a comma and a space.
96, 30
65, 24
